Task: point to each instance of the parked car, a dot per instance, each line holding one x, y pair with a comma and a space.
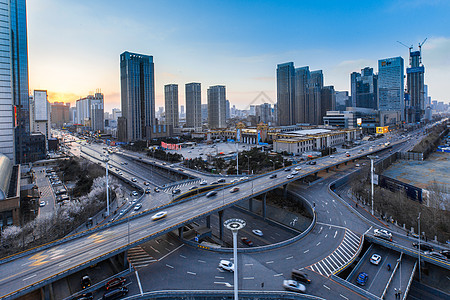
375, 259
298, 275
226, 265
115, 283
362, 278
159, 215
382, 233
294, 286
247, 241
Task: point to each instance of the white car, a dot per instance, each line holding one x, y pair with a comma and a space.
294, 173
331, 156
290, 176
134, 193
133, 179
138, 206
226, 265
257, 232
203, 182
294, 286
159, 215
234, 181
42, 203
243, 178
375, 259
298, 168
384, 234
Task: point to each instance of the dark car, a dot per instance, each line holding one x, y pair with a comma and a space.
297, 275
446, 253
147, 191
273, 176
85, 296
85, 281
362, 278
247, 241
311, 163
156, 190
423, 247
115, 294
115, 283
221, 180
287, 169
176, 191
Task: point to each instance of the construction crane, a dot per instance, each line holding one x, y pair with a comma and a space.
410, 48
420, 50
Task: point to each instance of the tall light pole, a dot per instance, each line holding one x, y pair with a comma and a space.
418, 219
400, 265
237, 158
106, 160
234, 225
371, 176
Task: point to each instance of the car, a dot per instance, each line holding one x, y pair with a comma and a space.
42, 203
247, 241
234, 180
362, 278
257, 232
134, 179
159, 215
214, 182
290, 176
134, 193
298, 168
375, 259
176, 191
294, 173
115, 283
117, 169
85, 282
156, 189
138, 207
294, 286
210, 194
146, 183
234, 190
85, 296
331, 156
120, 173
273, 176
287, 169
312, 163
243, 178
382, 233
226, 265
189, 151
348, 155
298, 275
122, 212
203, 182
193, 187
423, 247
358, 165
221, 180
147, 191
438, 255
446, 253
116, 293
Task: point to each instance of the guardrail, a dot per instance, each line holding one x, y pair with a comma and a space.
392, 276
221, 294
353, 287
411, 278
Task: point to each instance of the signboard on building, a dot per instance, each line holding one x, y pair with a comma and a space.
383, 129
359, 121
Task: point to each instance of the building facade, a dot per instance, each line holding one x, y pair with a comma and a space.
40, 112
59, 114
193, 93
391, 84
137, 81
415, 87
286, 93
364, 88
171, 105
342, 100
217, 107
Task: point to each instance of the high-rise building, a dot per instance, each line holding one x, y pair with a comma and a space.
302, 79
40, 111
415, 87
227, 109
342, 100
264, 113
116, 113
328, 101
391, 85
217, 106
85, 113
204, 112
314, 108
286, 93
193, 93
171, 104
59, 114
364, 88
137, 81
97, 117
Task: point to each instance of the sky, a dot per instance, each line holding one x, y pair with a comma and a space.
74, 46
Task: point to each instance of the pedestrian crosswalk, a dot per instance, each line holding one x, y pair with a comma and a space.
340, 257
139, 258
190, 183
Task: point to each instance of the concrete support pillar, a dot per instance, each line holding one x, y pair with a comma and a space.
285, 191
315, 174
125, 259
221, 225
180, 232
264, 206
208, 221
337, 166
250, 204
328, 169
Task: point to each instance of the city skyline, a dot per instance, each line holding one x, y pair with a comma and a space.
239, 49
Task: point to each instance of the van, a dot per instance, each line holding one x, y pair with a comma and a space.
115, 294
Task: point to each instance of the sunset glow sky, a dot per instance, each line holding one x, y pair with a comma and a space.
74, 46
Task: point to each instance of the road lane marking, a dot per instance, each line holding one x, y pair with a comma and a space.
192, 273
326, 235
139, 282
335, 234
248, 278
277, 275
169, 266
306, 251
219, 277
326, 287
248, 264
318, 244
343, 296
224, 283
182, 256
29, 277
269, 262
290, 257
201, 261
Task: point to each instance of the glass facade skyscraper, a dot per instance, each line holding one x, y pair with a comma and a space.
217, 106
364, 88
193, 105
286, 94
137, 83
171, 104
391, 84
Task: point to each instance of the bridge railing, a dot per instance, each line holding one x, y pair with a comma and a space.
354, 288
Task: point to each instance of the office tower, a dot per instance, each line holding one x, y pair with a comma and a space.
264, 113
116, 113
40, 110
171, 104
328, 101
227, 109
302, 79
415, 87
286, 93
97, 117
8, 111
59, 114
193, 93
252, 110
217, 106
204, 112
137, 81
315, 98
106, 115
73, 114
390, 84
342, 100
84, 110
364, 88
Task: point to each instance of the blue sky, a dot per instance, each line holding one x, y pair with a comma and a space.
74, 46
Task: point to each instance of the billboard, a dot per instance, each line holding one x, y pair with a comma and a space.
359, 121
383, 129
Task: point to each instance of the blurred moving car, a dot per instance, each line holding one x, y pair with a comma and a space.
247, 241
159, 215
226, 265
298, 275
294, 286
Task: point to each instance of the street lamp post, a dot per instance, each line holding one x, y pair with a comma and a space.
400, 266
371, 176
237, 158
106, 160
234, 225
418, 219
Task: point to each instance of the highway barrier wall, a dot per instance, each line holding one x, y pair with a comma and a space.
353, 287
355, 269
224, 294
